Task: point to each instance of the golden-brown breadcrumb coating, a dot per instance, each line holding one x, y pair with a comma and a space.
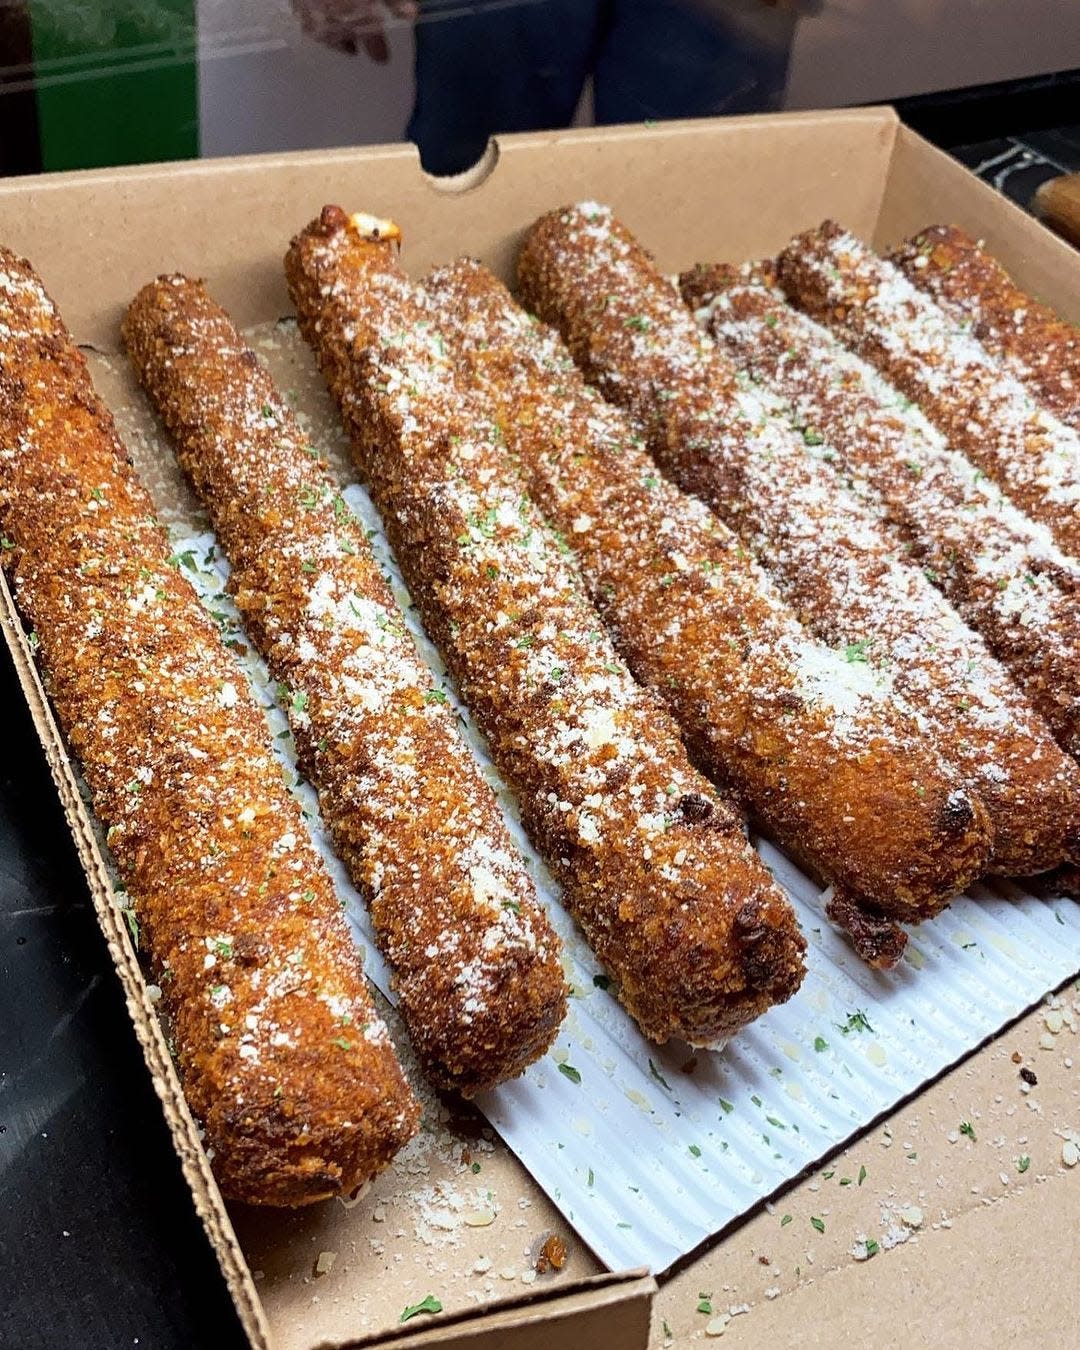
979, 717
474, 959
1001, 570
283, 1057
1038, 346
981, 409
827, 551
654, 864
815, 743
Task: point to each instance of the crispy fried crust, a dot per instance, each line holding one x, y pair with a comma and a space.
813, 743
474, 958
1002, 571
1038, 347
282, 1054
985, 412
653, 862
979, 718
828, 553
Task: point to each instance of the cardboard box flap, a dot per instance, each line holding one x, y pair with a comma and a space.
230, 221
608, 1309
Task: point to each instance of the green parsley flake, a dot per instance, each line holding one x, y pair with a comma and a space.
967, 1128
726, 1106
856, 651
817, 1223
872, 1247
430, 1304
1023, 1163
695, 1151
785, 1220
705, 1304
857, 1021
601, 981
568, 1071
820, 1044
862, 1175
659, 1076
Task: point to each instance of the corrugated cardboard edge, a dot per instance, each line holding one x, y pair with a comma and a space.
608, 1309
209, 1203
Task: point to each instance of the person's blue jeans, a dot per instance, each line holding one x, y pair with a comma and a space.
521, 65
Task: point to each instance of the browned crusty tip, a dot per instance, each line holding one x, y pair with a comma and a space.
286, 1153
334, 220
703, 282
878, 940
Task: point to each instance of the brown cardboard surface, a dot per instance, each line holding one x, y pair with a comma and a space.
993, 1247
731, 189
230, 221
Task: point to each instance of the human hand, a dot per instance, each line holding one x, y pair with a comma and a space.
346, 25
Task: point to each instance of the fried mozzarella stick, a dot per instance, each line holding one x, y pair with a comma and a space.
1036, 345
1003, 572
654, 864
283, 1056
985, 412
475, 961
832, 560
812, 739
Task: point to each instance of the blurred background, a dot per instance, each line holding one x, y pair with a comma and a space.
123, 81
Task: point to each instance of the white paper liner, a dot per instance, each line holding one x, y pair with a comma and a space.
649, 1150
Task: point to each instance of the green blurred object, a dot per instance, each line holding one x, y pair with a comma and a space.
116, 81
